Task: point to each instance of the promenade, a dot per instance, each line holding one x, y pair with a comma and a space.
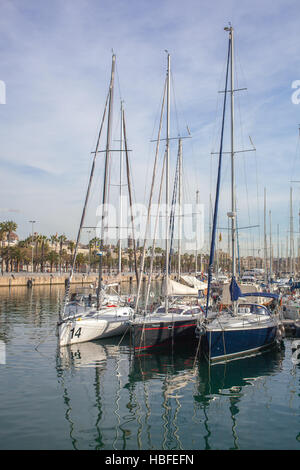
48, 279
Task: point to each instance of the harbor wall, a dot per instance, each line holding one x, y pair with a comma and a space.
46, 279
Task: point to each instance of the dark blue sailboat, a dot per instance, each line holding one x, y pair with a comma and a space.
246, 329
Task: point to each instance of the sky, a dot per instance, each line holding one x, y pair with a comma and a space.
55, 64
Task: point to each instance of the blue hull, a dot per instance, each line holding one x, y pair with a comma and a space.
230, 344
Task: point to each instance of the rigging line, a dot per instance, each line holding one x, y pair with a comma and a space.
130, 198
157, 118
150, 197
244, 160
118, 82
172, 214
175, 106
84, 211
239, 63
257, 201
154, 236
217, 128
132, 181
242, 139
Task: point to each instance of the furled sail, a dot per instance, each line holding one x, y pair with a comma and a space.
192, 281
176, 288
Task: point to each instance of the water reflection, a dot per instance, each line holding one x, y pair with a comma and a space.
104, 397
229, 380
155, 400
20, 306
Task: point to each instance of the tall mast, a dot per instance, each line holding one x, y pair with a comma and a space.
298, 245
196, 254
233, 197
120, 192
278, 252
179, 205
106, 171
167, 186
215, 215
265, 238
291, 234
271, 248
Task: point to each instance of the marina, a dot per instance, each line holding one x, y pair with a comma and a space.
149, 280
96, 395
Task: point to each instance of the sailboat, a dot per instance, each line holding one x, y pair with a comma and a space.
173, 319
248, 328
79, 321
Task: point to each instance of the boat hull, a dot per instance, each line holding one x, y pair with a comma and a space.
82, 330
222, 345
152, 335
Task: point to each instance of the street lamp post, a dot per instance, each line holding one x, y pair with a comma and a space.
32, 222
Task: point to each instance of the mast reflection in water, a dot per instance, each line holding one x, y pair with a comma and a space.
157, 401
99, 395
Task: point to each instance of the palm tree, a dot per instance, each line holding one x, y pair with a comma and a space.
61, 239
8, 227
44, 244
95, 243
71, 246
38, 240
2, 238
54, 240
16, 257
53, 258
80, 260
2, 233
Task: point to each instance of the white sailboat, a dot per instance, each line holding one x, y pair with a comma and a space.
94, 318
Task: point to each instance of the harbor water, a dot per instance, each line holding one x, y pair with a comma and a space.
98, 395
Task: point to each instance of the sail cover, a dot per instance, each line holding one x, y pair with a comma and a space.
176, 288
192, 281
235, 292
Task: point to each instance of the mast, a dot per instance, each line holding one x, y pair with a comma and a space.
271, 248
298, 245
232, 215
265, 237
130, 200
167, 184
196, 254
120, 192
106, 171
278, 253
215, 215
291, 234
179, 206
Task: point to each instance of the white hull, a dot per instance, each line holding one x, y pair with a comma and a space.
94, 326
